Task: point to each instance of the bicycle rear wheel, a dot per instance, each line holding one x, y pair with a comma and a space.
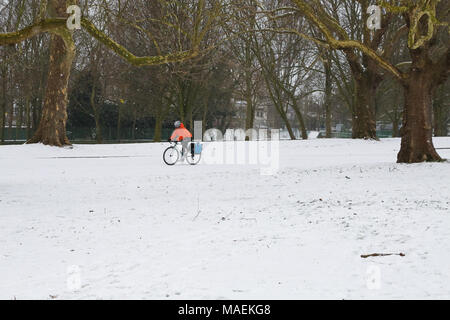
171, 156
193, 159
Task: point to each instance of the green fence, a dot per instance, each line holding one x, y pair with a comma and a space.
16, 134
89, 134
348, 134
342, 135
111, 134
384, 133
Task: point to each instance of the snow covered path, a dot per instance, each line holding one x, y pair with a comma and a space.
136, 228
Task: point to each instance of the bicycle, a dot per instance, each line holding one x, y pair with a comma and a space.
172, 154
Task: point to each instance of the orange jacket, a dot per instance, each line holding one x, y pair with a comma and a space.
180, 133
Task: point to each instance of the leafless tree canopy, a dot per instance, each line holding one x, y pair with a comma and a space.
296, 65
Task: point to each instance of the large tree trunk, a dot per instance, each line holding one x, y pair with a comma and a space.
52, 127
421, 83
364, 123
417, 131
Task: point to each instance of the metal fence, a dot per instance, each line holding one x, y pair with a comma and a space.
110, 134
16, 134
88, 135
348, 134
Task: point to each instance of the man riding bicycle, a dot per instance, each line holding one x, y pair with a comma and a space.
181, 134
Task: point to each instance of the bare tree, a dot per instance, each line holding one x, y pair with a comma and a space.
429, 66
52, 19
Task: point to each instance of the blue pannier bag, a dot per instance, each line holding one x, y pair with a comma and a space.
198, 148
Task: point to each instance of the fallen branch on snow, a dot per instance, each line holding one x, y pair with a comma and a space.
382, 255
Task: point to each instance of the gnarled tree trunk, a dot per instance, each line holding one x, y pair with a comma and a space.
52, 127
417, 131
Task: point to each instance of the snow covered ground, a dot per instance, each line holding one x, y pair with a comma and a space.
74, 225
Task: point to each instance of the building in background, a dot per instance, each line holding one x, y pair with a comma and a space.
240, 115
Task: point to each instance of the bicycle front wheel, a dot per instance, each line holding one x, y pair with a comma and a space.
171, 156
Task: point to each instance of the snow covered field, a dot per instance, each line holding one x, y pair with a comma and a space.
124, 225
